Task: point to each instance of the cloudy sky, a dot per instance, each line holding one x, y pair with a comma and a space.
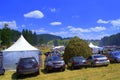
88, 19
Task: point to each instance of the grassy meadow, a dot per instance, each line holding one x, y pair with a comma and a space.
111, 72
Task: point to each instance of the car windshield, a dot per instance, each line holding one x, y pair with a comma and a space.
54, 58
27, 60
98, 56
116, 53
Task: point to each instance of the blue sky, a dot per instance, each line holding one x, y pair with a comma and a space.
88, 19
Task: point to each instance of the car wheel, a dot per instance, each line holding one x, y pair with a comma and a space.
47, 70
86, 67
17, 75
106, 65
62, 69
37, 73
3, 72
116, 60
92, 64
72, 67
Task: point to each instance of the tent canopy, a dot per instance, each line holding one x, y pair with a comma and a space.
21, 45
20, 49
91, 45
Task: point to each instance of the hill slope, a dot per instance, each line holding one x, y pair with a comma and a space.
47, 37
110, 40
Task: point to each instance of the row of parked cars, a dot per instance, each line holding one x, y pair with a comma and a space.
55, 62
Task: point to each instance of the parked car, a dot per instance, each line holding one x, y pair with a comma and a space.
77, 62
114, 56
27, 65
2, 70
97, 60
54, 62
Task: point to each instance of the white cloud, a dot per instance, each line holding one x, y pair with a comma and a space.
42, 30
94, 29
11, 24
23, 26
102, 21
34, 14
52, 9
73, 29
98, 29
115, 23
59, 33
55, 23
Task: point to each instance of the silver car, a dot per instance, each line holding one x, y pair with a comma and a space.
98, 60
54, 62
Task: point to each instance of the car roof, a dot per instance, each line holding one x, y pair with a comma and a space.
97, 55
78, 57
28, 58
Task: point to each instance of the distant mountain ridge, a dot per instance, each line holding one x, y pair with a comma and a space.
110, 40
48, 37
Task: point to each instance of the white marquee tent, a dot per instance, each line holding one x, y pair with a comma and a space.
20, 49
94, 48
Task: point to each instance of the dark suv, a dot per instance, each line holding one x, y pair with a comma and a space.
54, 62
27, 66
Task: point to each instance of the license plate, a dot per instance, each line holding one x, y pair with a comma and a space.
56, 66
28, 66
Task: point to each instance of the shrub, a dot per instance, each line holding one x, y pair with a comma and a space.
76, 47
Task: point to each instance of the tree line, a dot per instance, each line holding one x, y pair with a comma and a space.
9, 36
110, 40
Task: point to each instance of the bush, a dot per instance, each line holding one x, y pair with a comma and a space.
76, 47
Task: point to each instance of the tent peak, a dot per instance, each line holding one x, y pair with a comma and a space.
21, 45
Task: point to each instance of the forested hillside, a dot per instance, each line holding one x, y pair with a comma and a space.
8, 36
111, 40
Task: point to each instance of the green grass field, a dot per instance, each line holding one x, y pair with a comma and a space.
111, 72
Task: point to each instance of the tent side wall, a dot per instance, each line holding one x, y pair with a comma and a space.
10, 58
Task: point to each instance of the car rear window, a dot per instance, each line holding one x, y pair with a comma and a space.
55, 58
79, 58
29, 60
117, 53
99, 56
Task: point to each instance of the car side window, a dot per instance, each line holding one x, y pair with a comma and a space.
90, 57
50, 59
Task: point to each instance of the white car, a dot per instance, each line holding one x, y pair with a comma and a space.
98, 60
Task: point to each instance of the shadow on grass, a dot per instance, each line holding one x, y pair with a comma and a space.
51, 71
14, 76
76, 68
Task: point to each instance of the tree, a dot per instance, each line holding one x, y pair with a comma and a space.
41, 40
76, 47
35, 38
6, 36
